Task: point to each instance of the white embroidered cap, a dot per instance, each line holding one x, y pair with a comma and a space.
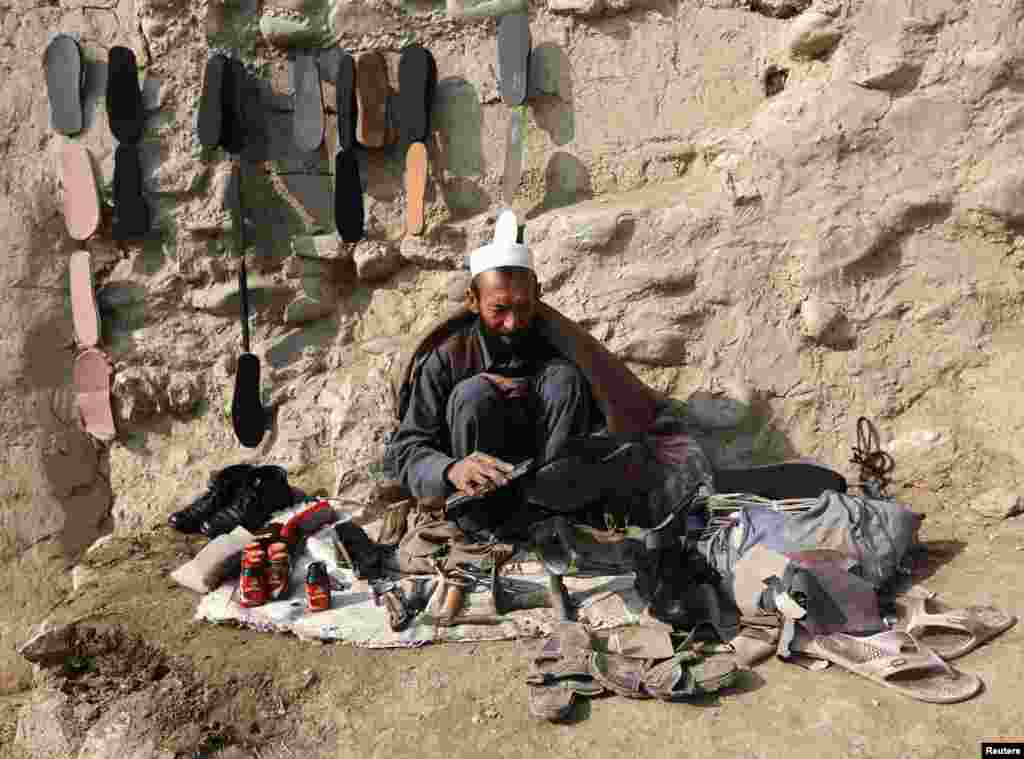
504, 250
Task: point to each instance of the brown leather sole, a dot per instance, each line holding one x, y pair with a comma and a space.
372, 91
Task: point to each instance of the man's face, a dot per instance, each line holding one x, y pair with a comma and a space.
506, 302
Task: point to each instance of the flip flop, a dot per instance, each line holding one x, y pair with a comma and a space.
209, 121
415, 187
81, 196
349, 216
91, 373
84, 312
65, 83
514, 151
308, 117
893, 659
345, 101
124, 96
417, 80
513, 57
790, 479
131, 214
950, 632
687, 674
372, 92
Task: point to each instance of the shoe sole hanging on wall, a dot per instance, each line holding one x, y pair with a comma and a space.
65, 83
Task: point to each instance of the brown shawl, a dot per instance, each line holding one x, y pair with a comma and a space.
629, 406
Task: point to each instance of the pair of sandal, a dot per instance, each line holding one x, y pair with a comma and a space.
363, 92
912, 658
127, 119
568, 665
65, 80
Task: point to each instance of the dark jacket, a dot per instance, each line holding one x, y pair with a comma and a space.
420, 450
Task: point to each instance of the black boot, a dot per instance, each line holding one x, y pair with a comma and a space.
221, 490
264, 491
586, 471
665, 578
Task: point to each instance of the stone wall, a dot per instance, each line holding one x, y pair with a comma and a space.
788, 213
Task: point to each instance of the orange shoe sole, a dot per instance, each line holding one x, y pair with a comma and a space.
415, 187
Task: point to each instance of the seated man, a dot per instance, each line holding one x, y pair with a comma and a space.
495, 392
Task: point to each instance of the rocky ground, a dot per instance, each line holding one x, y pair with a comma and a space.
785, 213
139, 678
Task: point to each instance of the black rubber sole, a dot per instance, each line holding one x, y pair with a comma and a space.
65, 82
514, 57
210, 119
124, 96
131, 213
345, 91
233, 121
247, 415
778, 481
349, 216
417, 81
308, 117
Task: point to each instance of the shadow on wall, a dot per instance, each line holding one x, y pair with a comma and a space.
75, 471
732, 432
458, 157
566, 181
551, 92
94, 92
291, 348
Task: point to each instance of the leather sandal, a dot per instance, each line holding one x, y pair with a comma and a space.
559, 671
687, 674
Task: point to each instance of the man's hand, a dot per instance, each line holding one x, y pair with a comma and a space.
479, 473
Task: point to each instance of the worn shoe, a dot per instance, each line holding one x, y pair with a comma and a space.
264, 491
221, 490
362, 554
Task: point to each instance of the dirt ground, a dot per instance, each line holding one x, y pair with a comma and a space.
279, 697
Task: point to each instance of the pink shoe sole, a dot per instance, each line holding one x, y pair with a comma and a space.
81, 197
92, 390
83, 300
